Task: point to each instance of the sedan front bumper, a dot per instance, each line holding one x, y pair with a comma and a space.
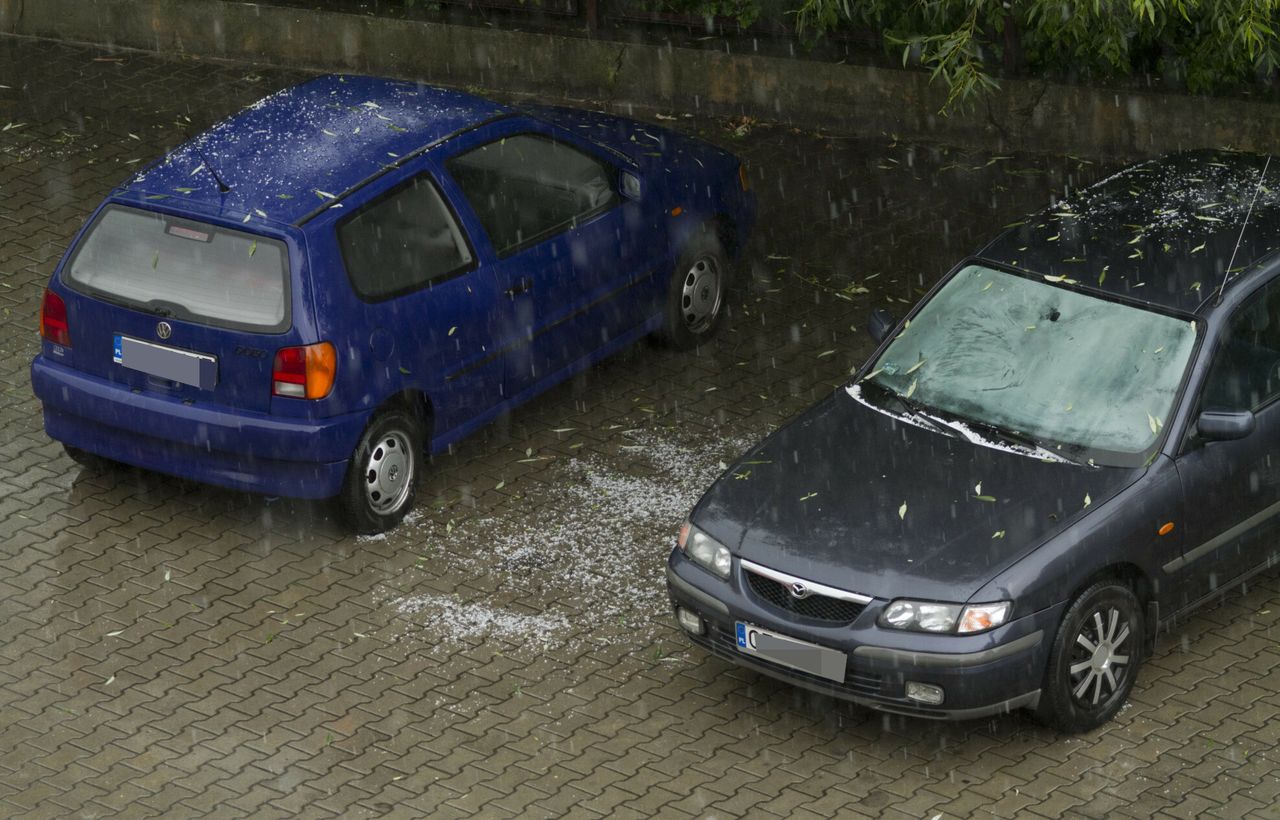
981, 675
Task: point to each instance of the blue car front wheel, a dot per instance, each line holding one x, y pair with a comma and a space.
697, 293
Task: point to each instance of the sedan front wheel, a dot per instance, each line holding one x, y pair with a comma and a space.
1094, 659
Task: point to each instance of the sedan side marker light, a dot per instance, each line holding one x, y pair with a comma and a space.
1166, 529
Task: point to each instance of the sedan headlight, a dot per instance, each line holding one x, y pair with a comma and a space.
705, 551
930, 616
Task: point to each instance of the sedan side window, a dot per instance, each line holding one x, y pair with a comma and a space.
1246, 369
526, 188
403, 241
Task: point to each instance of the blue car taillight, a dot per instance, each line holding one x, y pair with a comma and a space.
305, 372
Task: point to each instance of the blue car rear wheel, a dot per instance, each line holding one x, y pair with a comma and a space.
379, 488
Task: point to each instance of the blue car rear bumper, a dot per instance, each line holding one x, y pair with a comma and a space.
255, 452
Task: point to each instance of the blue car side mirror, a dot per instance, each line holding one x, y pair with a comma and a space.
1223, 425
630, 185
880, 324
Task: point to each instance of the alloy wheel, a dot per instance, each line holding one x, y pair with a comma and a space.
1100, 658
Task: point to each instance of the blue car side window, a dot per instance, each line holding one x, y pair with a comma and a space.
526, 188
403, 241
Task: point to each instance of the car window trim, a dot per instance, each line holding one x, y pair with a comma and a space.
426, 284
615, 175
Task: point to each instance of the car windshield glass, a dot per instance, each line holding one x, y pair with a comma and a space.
185, 269
1078, 374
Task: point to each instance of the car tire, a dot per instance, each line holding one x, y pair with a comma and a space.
379, 487
697, 293
90, 461
1094, 659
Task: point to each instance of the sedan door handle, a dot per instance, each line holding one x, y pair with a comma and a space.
523, 285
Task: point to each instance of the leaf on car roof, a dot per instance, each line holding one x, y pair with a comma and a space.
324, 194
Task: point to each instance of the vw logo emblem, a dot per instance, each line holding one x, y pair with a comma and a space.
799, 590
164, 330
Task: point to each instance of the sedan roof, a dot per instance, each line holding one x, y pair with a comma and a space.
290, 153
1162, 231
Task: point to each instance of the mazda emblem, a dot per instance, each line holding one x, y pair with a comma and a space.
799, 590
163, 330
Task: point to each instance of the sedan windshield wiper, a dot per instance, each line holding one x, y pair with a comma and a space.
1022, 439
916, 410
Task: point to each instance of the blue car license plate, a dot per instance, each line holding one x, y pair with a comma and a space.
807, 657
184, 366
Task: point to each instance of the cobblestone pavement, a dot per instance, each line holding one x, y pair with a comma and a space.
174, 649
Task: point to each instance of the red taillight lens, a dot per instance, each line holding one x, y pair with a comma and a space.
304, 372
53, 319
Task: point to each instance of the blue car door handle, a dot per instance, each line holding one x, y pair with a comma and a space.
522, 285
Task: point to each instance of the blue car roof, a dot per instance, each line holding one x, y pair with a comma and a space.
288, 154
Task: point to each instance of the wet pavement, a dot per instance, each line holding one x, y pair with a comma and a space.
167, 648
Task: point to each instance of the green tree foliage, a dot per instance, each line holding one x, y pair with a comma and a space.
1209, 45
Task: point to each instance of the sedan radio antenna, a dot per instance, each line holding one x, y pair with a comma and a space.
1226, 273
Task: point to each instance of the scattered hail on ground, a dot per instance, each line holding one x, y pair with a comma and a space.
599, 532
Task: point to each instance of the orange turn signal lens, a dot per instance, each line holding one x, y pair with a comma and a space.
1166, 529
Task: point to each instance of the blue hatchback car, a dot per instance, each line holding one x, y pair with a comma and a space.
352, 272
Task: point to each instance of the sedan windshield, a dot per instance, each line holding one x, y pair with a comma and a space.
1077, 374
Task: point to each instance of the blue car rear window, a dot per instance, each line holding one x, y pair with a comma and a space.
182, 268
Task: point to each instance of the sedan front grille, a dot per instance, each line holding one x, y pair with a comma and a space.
816, 606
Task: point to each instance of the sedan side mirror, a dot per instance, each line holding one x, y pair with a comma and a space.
1224, 425
881, 323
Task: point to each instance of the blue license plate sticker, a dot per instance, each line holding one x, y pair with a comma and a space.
117, 352
742, 635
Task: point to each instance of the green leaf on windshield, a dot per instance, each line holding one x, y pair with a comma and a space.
155, 259
912, 389
916, 367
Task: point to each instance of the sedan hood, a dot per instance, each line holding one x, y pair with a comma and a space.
854, 497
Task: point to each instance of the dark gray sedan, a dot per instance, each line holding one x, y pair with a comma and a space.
1064, 447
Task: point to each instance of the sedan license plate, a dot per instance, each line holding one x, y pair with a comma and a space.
807, 657
196, 369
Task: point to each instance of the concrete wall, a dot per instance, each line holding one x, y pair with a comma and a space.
856, 100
